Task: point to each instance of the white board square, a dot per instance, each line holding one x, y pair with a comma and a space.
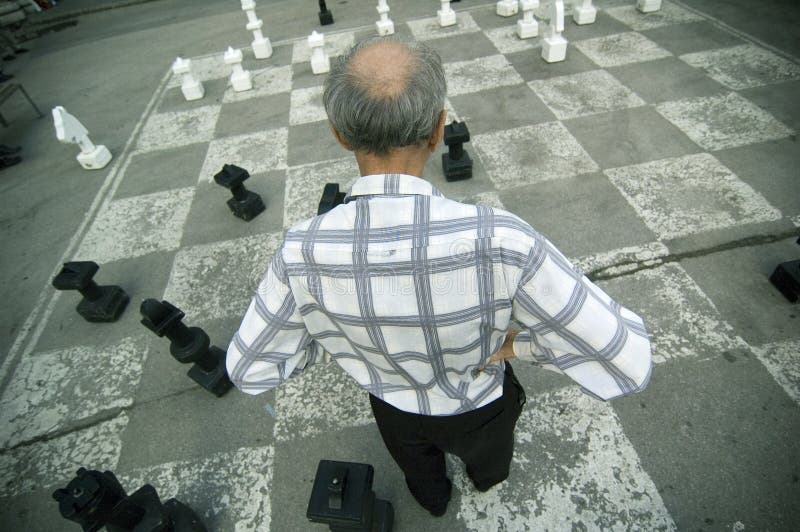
258, 152
621, 49
266, 81
668, 15
744, 67
464, 77
304, 185
306, 106
506, 40
584, 94
428, 28
178, 128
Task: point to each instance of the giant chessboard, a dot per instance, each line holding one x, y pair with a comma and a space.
644, 146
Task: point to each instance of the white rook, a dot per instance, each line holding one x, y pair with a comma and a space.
447, 17
583, 12
262, 48
648, 6
507, 8
240, 78
190, 86
554, 45
385, 25
527, 26
320, 62
69, 130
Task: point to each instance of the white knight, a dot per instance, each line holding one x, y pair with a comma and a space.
69, 130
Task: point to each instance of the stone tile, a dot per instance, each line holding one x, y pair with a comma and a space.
208, 67
306, 106
691, 37
178, 128
668, 15
666, 79
591, 434
136, 226
313, 142
173, 99
462, 47
161, 170
52, 463
257, 153
744, 67
303, 77
629, 136
691, 194
723, 121
532, 154
304, 185
254, 115
501, 108
602, 26
530, 65
506, 40
779, 100
621, 49
229, 271
266, 82
464, 77
428, 28
583, 94
487, 18
780, 359
335, 44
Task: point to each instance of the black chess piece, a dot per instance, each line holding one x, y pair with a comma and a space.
456, 164
188, 344
325, 15
99, 303
786, 278
244, 204
331, 197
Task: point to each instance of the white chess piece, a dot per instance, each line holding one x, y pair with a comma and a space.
554, 45
648, 6
190, 86
240, 78
320, 62
583, 12
385, 25
447, 17
69, 130
527, 26
507, 8
262, 48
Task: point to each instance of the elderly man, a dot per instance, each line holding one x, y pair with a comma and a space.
412, 293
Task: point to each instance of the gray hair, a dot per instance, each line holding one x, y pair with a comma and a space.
377, 123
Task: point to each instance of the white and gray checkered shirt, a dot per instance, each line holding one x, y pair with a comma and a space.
411, 293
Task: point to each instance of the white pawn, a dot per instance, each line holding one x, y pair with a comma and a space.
447, 17
507, 8
262, 48
385, 25
69, 130
527, 27
320, 62
240, 78
190, 86
648, 6
583, 12
554, 45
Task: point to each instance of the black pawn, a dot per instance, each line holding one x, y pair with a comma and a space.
99, 303
456, 164
331, 197
244, 203
188, 345
325, 15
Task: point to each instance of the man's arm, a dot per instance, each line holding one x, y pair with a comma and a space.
272, 343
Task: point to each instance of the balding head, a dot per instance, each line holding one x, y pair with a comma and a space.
384, 94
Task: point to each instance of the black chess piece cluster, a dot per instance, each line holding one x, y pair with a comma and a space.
786, 278
456, 164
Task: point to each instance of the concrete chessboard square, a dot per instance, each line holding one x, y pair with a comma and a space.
722, 121
257, 152
204, 68
173, 100
602, 26
228, 277
531, 65
266, 81
428, 28
161, 170
336, 44
506, 40
251, 116
744, 67
778, 100
621, 49
136, 226
666, 79
692, 37
532, 154
300, 203
464, 77
313, 142
686, 195
53, 391
306, 106
178, 128
583, 94
668, 15
501, 108
780, 359
463, 47
604, 474
52, 463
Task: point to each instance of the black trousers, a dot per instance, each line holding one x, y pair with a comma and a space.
483, 439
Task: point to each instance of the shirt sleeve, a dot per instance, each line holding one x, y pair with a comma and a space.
272, 343
573, 327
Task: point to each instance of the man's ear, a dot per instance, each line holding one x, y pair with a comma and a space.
339, 138
438, 131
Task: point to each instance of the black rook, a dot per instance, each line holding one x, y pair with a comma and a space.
99, 303
456, 164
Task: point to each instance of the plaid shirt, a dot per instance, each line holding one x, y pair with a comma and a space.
412, 293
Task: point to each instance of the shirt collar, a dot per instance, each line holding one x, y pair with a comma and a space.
392, 185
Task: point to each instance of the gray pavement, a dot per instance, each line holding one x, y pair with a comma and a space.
711, 445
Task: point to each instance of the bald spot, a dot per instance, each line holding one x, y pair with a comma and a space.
383, 69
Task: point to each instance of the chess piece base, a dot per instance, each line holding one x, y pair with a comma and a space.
320, 65
242, 81
457, 169
584, 15
248, 209
648, 6
262, 49
554, 49
107, 308
326, 17
786, 278
95, 159
385, 27
193, 91
446, 19
507, 9
215, 381
527, 30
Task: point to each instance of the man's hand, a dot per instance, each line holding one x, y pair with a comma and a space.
506, 350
